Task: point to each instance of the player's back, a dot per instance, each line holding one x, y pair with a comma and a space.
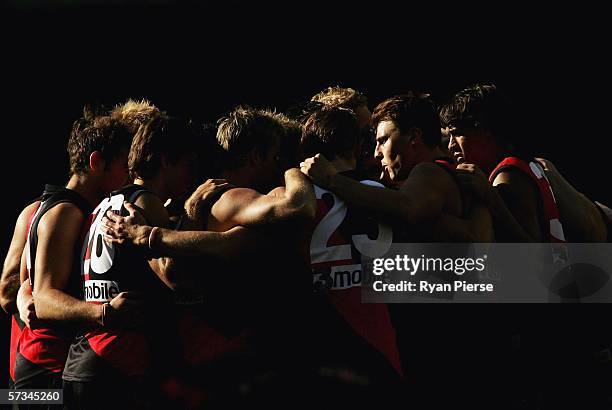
340, 235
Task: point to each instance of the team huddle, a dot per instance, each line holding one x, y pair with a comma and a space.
136, 285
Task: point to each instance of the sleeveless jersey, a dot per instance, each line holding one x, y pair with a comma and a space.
43, 350
108, 270
340, 236
17, 324
536, 173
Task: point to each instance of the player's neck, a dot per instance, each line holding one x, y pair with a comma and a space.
85, 186
344, 164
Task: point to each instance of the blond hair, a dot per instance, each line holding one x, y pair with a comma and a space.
132, 114
340, 97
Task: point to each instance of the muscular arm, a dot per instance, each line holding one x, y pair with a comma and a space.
246, 207
9, 283
422, 196
58, 232
514, 209
225, 245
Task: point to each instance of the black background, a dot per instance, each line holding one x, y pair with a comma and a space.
200, 61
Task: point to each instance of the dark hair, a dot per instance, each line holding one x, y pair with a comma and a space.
245, 129
330, 131
408, 111
90, 134
162, 135
479, 106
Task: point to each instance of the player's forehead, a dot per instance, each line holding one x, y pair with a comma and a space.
386, 129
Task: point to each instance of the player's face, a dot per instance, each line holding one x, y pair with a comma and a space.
116, 173
471, 145
394, 151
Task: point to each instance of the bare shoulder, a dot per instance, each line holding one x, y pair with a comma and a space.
277, 192
230, 203
238, 195
427, 173
26, 213
514, 179
64, 217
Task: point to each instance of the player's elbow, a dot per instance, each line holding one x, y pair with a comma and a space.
306, 210
8, 297
8, 304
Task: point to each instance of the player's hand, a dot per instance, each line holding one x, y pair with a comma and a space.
319, 170
25, 305
129, 229
203, 195
126, 310
473, 180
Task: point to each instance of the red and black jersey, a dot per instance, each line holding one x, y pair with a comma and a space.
43, 351
551, 217
341, 234
106, 271
17, 324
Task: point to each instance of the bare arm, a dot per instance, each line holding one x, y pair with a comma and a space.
58, 232
225, 245
9, 283
415, 201
512, 200
246, 207
513, 206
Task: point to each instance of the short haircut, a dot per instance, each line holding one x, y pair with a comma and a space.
290, 141
411, 111
162, 135
479, 106
89, 134
331, 131
134, 113
341, 97
245, 129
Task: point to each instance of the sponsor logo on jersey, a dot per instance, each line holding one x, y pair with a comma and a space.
337, 277
100, 290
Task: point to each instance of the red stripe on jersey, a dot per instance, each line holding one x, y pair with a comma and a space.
45, 348
201, 343
125, 351
538, 176
371, 321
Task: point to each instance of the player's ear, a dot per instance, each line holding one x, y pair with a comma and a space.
416, 136
96, 162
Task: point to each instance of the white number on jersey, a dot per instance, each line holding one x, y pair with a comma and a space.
320, 252
101, 254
